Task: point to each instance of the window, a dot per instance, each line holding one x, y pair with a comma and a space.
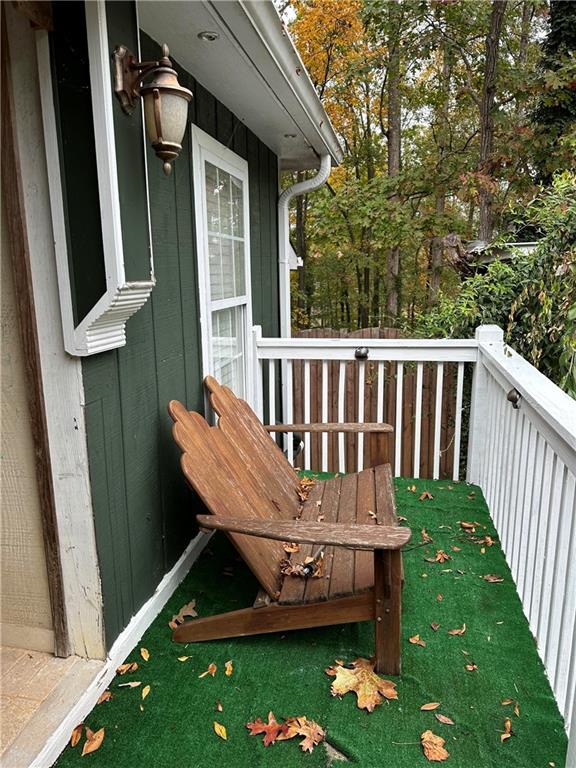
222, 224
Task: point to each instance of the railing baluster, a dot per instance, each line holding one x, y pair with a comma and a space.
398, 427
341, 401
550, 563
324, 415
532, 439
361, 394
564, 626
438, 419
307, 413
458, 424
289, 412
521, 469
547, 474
380, 395
418, 419
271, 392
532, 544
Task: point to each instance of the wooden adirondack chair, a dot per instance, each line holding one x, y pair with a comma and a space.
252, 492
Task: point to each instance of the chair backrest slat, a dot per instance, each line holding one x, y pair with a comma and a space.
228, 472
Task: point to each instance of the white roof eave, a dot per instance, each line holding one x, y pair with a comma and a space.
253, 69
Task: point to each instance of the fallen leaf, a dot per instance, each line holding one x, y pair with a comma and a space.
411, 488
433, 747
219, 730
507, 730
426, 538
229, 668
219, 706
76, 734
471, 667
517, 709
482, 550
440, 557
459, 631
272, 729
454, 548
444, 719
468, 527
132, 684
416, 640
435, 626
488, 541
360, 678
145, 691
439, 597
106, 696
430, 706
289, 547
320, 518
504, 702
425, 495
187, 610
145, 653
401, 519
472, 495
93, 741
184, 658
129, 667
210, 671
492, 578
301, 726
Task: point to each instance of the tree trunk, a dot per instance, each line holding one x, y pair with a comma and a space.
437, 244
486, 116
394, 135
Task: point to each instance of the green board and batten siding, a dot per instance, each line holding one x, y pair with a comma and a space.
144, 513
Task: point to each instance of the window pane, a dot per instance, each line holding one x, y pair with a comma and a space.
212, 197
228, 348
215, 264
237, 202
239, 268
227, 269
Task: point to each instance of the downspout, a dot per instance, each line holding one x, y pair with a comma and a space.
284, 238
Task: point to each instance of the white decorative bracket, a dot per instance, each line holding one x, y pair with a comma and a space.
104, 327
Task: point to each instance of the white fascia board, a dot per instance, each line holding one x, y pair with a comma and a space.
275, 37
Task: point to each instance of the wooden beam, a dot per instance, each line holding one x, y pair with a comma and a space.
277, 618
15, 224
330, 427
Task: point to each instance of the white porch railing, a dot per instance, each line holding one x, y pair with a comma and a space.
523, 458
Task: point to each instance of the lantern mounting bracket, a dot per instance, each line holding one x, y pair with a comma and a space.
129, 74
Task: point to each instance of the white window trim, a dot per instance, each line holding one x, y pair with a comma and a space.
204, 147
104, 327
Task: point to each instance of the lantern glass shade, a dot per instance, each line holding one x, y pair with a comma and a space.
172, 110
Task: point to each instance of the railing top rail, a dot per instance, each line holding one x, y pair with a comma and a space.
447, 350
555, 407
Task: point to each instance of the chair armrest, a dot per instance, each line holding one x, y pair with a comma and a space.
354, 536
329, 427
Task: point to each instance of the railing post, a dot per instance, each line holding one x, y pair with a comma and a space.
255, 377
477, 433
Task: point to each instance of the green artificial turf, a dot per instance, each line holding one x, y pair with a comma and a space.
285, 672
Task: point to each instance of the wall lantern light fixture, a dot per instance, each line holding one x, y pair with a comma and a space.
165, 100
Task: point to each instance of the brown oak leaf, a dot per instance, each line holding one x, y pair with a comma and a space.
106, 696
128, 667
468, 527
492, 578
425, 495
459, 631
76, 734
93, 741
271, 730
301, 726
187, 610
435, 626
360, 678
426, 538
417, 640
443, 719
433, 747
289, 547
431, 705
212, 668
472, 667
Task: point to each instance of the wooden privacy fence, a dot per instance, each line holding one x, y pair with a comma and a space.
371, 394
416, 385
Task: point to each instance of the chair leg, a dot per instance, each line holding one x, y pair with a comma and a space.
387, 608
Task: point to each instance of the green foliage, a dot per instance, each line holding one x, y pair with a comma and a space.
533, 296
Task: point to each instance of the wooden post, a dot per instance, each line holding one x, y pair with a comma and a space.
387, 608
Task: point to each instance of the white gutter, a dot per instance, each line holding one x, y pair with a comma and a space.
284, 238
